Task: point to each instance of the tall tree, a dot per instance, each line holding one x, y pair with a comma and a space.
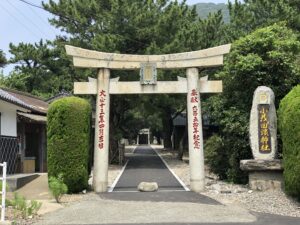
136, 27
2, 59
42, 69
249, 15
265, 57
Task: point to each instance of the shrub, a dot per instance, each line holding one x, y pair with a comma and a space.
57, 187
68, 134
289, 126
265, 57
215, 156
7, 202
27, 208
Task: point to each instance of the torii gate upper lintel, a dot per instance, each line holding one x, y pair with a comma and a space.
103, 86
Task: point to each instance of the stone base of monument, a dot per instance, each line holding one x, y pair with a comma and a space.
264, 174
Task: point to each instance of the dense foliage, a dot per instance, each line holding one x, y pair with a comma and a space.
137, 27
289, 125
27, 208
248, 15
68, 136
215, 156
265, 57
2, 59
42, 69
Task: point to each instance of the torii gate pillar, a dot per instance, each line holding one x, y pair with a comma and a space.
196, 156
101, 153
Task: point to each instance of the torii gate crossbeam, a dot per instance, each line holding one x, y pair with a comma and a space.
103, 86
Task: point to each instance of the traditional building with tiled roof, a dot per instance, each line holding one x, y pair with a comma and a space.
22, 131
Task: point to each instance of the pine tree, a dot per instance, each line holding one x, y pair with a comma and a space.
137, 27
249, 15
2, 59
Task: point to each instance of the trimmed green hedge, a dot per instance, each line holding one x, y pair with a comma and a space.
68, 134
289, 125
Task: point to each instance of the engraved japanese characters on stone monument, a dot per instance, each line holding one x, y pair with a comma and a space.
264, 137
265, 172
263, 124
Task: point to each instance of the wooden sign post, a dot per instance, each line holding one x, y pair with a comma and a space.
103, 87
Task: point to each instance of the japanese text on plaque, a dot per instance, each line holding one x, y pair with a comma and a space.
101, 121
264, 138
195, 102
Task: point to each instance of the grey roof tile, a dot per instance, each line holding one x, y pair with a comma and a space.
24, 100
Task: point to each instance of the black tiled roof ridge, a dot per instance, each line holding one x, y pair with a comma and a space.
6, 96
22, 93
61, 93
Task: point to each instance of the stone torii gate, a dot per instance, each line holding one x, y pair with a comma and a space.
103, 87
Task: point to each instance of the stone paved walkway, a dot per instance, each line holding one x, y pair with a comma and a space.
146, 165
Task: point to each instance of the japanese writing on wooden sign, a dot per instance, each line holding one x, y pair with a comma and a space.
101, 121
148, 73
195, 102
263, 128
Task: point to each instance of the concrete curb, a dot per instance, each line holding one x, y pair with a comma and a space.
17, 181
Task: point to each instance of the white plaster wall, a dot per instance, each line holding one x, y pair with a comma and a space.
8, 119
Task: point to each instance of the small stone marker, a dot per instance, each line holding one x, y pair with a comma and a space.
148, 186
263, 124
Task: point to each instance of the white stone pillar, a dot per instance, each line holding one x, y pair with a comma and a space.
138, 139
196, 156
101, 150
149, 137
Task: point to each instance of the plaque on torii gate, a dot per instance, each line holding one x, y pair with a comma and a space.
103, 87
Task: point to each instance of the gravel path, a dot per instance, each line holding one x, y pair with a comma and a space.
274, 202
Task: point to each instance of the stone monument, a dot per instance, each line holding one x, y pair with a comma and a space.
263, 124
265, 171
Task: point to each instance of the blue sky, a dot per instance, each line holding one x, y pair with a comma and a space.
20, 22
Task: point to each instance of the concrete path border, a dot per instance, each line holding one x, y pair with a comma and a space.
174, 174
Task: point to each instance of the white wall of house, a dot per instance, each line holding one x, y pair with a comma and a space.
8, 119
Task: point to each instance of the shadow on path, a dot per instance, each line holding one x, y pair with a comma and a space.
170, 196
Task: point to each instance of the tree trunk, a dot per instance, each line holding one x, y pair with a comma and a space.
113, 146
113, 139
167, 133
182, 143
